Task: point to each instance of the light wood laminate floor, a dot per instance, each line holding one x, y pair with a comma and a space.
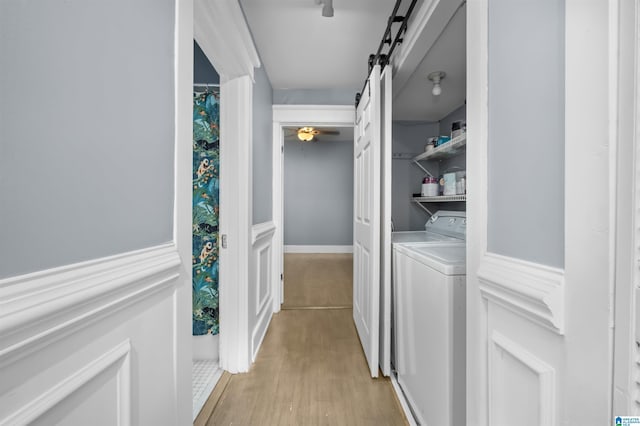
317, 280
310, 369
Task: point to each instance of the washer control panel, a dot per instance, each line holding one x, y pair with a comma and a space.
449, 223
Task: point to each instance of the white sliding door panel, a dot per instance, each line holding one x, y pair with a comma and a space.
539, 331
366, 268
386, 96
626, 388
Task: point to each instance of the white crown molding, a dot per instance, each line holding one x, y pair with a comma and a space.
120, 354
223, 35
39, 308
529, 289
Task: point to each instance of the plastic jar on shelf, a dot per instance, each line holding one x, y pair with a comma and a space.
430, 186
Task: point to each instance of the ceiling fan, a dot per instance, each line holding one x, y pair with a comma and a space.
308, 134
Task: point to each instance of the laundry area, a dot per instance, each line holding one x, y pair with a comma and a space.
422, 212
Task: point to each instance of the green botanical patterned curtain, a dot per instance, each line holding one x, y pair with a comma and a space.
206, 165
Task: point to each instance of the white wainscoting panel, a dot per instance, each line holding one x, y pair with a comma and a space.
261, 283
529, 289
263, 273
522, 387
40, 407
93, 343
38, 308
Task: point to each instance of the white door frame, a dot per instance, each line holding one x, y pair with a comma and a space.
182, 201
627, 219
295, 115
222, 33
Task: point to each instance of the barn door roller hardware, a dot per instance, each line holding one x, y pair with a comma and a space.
383, 58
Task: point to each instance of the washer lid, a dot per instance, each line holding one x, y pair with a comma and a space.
446, 258
419, 237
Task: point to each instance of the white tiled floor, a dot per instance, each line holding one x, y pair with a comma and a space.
204, 376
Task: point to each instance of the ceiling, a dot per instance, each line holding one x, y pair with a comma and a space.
414, 101
301, 49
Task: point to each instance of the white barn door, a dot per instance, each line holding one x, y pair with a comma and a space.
366, 227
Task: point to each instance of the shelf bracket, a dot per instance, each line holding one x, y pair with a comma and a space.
417, 163
423, 207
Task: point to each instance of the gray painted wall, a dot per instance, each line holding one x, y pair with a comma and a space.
203, 70
262, 148
318, 192
526, 130
444, 125
86, 130
314, 96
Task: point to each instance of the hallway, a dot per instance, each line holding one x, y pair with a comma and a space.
310, 369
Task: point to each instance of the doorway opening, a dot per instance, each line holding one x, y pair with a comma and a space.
318, 217
205, 236
287, 119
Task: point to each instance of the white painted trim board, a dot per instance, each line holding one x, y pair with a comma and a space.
183, 192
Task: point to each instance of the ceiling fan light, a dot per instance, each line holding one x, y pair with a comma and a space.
306, 134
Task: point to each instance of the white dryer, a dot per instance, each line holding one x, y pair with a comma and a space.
429, 327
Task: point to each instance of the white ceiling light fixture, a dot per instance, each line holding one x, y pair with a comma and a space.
436, 77
327, 7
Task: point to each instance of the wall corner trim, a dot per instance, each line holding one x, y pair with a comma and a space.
528, 289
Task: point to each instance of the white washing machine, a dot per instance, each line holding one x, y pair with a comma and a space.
442, 226
429, 327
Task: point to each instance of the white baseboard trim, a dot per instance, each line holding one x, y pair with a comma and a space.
318, 249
